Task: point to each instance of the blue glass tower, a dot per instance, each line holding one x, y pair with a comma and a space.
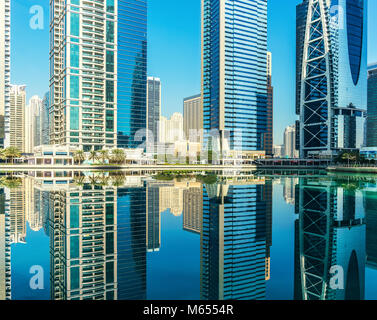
331, 85
132, 71
234, 72
372, 106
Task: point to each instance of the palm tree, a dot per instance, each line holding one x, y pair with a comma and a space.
10, 182
12, 153
119, 156
79, 156
79, 180
103, 155
93, 155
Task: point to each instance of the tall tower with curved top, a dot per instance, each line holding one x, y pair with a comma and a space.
331, 75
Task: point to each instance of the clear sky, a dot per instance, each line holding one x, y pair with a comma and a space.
174, 51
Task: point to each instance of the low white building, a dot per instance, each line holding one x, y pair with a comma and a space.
52, 155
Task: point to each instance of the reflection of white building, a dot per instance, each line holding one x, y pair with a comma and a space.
289, 190
5, 255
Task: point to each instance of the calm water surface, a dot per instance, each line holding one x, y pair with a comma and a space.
106, 236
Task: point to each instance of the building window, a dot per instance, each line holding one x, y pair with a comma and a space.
110, 31
75, 24
74, 115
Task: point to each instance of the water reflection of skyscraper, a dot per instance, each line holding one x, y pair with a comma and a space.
235, 241
330, 233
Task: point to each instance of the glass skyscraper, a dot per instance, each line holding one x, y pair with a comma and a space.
83, 67
234, 72
331, 69
132, 71
153, 108
372, 106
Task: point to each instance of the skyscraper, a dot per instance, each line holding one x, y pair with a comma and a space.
332, 56
132, 71
290, 142
234, 70
269, 136
153, 108
17, 117
33, 129
193, 118
45, 119
4, 72
83, 86
372, 106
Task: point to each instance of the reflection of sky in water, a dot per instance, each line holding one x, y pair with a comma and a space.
34, 253
173, 272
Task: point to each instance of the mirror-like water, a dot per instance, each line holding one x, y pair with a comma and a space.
108, 236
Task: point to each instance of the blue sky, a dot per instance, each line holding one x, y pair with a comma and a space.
174, 51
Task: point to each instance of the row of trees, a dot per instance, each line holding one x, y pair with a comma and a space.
116, 156
10, 153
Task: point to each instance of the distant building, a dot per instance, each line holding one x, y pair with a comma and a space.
33, 124
290, 142
4, 72
17, 117
45, 119
269, 137
372, 106
153, 107
193, 118
171, 130
278, 151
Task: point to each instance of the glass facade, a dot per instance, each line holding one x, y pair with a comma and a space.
234, 79
331, 95
154, 108
132, 71
372, 107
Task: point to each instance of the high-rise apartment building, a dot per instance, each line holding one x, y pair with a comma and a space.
193, 118
372, 106
234, 70
331, 69
17, 117
132, 71
269, 136
33, 129
153, 108
83, 85
4, 72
